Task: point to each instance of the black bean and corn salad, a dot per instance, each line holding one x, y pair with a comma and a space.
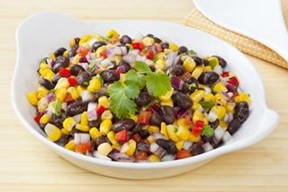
136, 100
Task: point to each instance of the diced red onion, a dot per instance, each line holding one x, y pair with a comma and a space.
121, 69
50, 62
177, 83
212, 116
86, 96
92, 115
120, 157
187, 145
207, 147
129, 58
64, 106
77, 118
98, 155
81, 138
170, 59
218, 69
227, 138
85, 66
50, 97
91, 56
83, 60
157, 150
231, 87
92, 106
168, 157
218, 133
157, 136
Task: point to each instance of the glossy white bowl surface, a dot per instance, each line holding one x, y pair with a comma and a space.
43, 33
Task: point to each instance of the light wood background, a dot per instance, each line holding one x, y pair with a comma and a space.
27, 165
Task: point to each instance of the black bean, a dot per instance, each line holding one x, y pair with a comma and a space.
197, 149
192, 84
143, 99
125, 65
76, 69
144, 133
83, 78
63, 140
207, 139
109, 76
77, 40
182, 100
205, 62
165, 45
76, 108
222, 62
97, 45
177, 70
150, 35
73, 51
61, 62
99, 140
168, 145
46, 83
208, 78
168, 114
182, 49
58, 120
55, 79
127, 124
125, 39
59, 51
156, 119
179, 62
157, 40
95, 123
198, 60
241, 111
143, 146
214, 124
233, 126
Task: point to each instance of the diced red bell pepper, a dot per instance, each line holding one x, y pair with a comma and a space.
83, 147
149, 54
72, 81
82, 51
100, 109
64, 72
37, 118
187, 120
199, 123
122, 136
68, 98
198, 126
225, 74
183, 154
141, 155
136, 137
233, 81
138, 45
144, 117
103, 54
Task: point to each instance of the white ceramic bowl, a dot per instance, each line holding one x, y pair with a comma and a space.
42, 33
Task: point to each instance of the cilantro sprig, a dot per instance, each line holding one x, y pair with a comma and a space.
207, 131
122, 94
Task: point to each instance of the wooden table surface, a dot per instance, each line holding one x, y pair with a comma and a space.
27, 165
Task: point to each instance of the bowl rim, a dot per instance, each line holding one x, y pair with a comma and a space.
268, 125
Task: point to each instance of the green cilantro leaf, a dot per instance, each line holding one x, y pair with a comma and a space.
207, 131
192, 52
92, 65
157, 83
133, 77
141, 67
206, 104
131, 90
57, 106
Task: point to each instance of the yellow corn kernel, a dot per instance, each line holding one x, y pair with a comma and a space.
60, 94
220, 111
104, 148
122, 77
153, 158
189, 64
66, 53
94, 85
52, 56
223, 125
42, 104
80, 89
112, 35
111, 137
117, 146
167, 51
169, 102
84, 128
72, 42
134, 118
174, 47
195, 106
220, 99
105, 126
49, 75
163, 129
230, 107
197, 72
62, 83
44, 65
219, 88
179, 145
52, 132
194, 138
160, 55
75, 59
73, 92
44, 119
243, 97
207, 68
64, 132
197, 95
70, 145
32, 98
131, 147
183, 133
99, 50
153, 129
160, 64
171, 130
167, 95
107, 115
103, 101
84, 118
42, 92
205, 120
94, 133
84, 39
117, 59
197, 115
147, 41
150, 139
69, 123
209, 97
181, 123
